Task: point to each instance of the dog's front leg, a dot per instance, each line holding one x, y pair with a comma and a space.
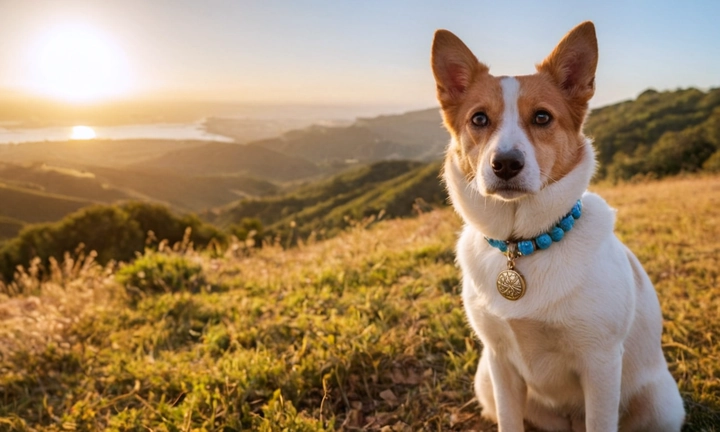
601, 387
510, 393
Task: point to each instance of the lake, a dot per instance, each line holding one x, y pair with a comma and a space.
174, 131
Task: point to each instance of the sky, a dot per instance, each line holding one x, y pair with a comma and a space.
370, 52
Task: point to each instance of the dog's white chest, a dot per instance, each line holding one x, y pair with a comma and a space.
540, 352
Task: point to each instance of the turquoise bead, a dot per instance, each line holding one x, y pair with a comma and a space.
557, 234
525, 247
543, 241
576, 210
499, 244
567, 223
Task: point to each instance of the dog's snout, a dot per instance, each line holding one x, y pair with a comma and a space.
508, 164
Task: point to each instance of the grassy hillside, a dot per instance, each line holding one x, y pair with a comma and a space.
362, 331
184, 192
394, 187
63, 181
34, 206
224, 158
659, 133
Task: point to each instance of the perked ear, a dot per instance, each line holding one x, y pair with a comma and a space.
573, 62
454, 67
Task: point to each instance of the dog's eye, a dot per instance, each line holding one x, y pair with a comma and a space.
542, 118
480, 119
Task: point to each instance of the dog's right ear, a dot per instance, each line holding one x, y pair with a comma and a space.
454, 67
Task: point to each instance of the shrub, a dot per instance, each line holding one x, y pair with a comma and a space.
157, 273
115, 232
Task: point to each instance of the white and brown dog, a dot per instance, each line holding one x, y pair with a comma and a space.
568, 318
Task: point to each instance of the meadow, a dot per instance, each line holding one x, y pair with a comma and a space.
364, 331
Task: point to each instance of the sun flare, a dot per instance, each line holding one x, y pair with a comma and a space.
82, 133
78, 64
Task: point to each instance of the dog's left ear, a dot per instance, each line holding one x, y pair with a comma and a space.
573, 62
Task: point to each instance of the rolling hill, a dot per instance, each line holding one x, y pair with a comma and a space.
228, 159
395, 188
61, 181
414, 135
658, 133
21, 206
183, 192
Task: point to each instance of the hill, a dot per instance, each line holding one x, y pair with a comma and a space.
183, 192
415, 135
228, 159
364, 331
659, 133
395, 188
42, 177
79, 154
20, 206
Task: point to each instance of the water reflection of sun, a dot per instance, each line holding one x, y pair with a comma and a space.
82, 133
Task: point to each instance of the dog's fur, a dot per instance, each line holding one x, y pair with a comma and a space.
581, 350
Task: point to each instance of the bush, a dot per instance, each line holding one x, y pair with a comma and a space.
157, 273
115, 232
713, 163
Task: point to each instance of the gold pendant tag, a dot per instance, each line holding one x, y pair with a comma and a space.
510, 283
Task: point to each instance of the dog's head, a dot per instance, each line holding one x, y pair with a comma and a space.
512, 136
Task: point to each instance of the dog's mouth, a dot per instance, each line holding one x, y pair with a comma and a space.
508, 192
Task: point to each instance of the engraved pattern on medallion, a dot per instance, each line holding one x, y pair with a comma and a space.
511, 284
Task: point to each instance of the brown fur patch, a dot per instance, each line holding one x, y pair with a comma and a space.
483, 94
558, 145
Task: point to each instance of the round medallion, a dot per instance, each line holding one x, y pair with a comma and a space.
510, 284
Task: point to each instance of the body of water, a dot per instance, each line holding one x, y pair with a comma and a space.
174, 131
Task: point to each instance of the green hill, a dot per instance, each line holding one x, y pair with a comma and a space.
659, 133
395, 188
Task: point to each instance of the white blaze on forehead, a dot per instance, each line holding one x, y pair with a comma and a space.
510, 136
511, 133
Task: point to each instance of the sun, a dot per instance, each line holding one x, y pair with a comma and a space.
82, 133
77, 63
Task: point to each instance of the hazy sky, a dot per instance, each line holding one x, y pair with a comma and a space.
356, 52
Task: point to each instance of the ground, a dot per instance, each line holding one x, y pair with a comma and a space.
363, 331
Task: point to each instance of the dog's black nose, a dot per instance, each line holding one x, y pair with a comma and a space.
508, 164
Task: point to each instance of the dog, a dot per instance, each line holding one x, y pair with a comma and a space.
569, 320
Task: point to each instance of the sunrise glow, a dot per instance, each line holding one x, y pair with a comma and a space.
77, 64
82, 133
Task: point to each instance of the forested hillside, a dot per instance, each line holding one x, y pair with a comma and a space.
395, 188
658, 134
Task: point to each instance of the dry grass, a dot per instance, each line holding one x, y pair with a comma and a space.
364, 331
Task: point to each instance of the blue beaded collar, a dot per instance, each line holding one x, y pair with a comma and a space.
543, 241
